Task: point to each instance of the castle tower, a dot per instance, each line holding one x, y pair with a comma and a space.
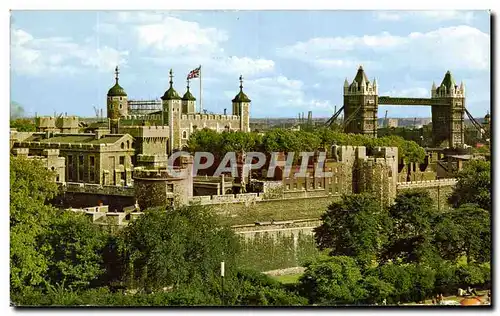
171, 102
361, 105
188, 102
241, 107
117, 104
448, 113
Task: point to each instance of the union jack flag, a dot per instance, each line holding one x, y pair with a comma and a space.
195, 73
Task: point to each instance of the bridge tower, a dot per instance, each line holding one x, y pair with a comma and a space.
361, 105
448, 107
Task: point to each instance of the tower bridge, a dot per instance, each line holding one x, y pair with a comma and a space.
447, 102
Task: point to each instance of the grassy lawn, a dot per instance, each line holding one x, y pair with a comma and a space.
287, 279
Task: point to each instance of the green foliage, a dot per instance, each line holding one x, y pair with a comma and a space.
409, 151
169, 248
207, 140
411, 236
474, 185
23, 125
353, 227
377, 290
283, 140
464, 231
74, 246
332, 281
30, 188
411, 282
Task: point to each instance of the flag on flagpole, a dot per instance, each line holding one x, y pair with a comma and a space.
195, 73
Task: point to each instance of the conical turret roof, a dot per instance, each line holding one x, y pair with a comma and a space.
241, 96
447, 82
171, 94
116, 90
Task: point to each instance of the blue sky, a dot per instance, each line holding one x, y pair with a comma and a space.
291, 61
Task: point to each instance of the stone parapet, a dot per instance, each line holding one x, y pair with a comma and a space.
426, 184
97, 189
205, 117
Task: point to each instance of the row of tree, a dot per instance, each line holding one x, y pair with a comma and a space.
403, 253
165, 257
282, 140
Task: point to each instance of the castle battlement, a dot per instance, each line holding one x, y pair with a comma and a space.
426, 184
206, 117
143, 117
160, 174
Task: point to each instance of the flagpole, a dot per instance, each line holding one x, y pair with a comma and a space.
201, 104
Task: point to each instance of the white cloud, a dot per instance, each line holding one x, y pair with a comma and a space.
36, 56
274, 95
175, 36
245, 65
436, 16
166, 39
459, 47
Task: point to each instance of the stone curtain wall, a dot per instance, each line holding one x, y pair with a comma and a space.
267, 210
270, 251
439, 190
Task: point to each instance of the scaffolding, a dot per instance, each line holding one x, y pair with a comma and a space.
142, 107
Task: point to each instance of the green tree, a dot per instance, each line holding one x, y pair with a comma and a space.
353, 227
332, 281
205, 140
170, 248
411, 282
31, 186
411, 235
74, 247
473, 186
23, 125
464, 231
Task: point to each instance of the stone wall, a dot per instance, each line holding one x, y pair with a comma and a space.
439, 190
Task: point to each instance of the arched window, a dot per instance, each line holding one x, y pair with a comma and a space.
184, 134
120, 106
128, 144
123, 145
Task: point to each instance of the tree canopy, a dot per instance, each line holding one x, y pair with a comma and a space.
353, 227
169, 248
473, 186
283, 140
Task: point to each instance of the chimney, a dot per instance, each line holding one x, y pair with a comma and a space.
225, 111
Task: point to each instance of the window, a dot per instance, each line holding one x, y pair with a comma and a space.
184, 134
287, 187
91, 168
80, 168
128, 144
70, 167
123, 145
120, 106
122, 160
170, 187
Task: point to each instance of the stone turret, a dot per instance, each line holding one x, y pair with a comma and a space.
448, 113
361, 105
172, 111
188, 102
241, 107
